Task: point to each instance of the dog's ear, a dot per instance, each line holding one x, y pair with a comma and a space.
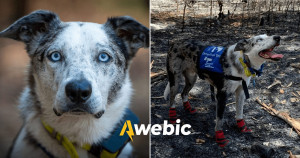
134, 34
28, 27
241, 45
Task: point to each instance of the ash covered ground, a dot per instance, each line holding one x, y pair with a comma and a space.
270, 133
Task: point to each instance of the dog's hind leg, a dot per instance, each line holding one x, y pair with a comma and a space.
174, 83
239, 99
190, 79
174, 72
220, 138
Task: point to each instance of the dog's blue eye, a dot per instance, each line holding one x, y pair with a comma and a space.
55, 56
103, 57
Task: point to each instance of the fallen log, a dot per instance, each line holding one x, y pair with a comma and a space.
276, 82
160, 76
293, 156
283, 115
151, 64
156, 74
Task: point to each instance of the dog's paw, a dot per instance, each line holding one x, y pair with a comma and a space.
188, 108
242, 127
172, 115
221, 140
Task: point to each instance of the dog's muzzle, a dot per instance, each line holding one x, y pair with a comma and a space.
268, 54
277, 39
78, 92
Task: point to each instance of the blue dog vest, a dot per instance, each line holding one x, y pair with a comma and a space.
210, 59
115, 142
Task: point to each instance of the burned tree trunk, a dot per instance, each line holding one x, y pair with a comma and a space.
298, 13
188, 3
221, 14
183, 17
211, 5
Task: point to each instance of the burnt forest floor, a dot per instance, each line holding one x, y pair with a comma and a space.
270, 133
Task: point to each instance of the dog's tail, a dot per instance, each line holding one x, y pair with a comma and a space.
167, 91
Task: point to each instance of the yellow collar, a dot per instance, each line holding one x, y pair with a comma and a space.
65, 142
246, 69
68, 145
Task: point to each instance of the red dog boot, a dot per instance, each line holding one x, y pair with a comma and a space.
172, 115
188, 108
242, 126
220, 139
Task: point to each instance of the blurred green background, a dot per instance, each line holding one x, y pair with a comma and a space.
13, 58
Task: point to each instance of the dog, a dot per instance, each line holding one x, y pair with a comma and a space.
79, 89
228, 69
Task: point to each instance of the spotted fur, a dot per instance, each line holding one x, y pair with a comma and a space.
79, 44
182, 61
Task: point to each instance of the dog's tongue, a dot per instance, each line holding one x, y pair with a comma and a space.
273, 56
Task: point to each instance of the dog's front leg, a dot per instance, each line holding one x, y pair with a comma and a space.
221, 97
239, 102
240, 99
220, 138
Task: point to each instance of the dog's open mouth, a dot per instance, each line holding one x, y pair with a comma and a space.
267, 54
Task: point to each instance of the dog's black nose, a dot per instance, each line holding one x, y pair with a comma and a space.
276, 38
78, 91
